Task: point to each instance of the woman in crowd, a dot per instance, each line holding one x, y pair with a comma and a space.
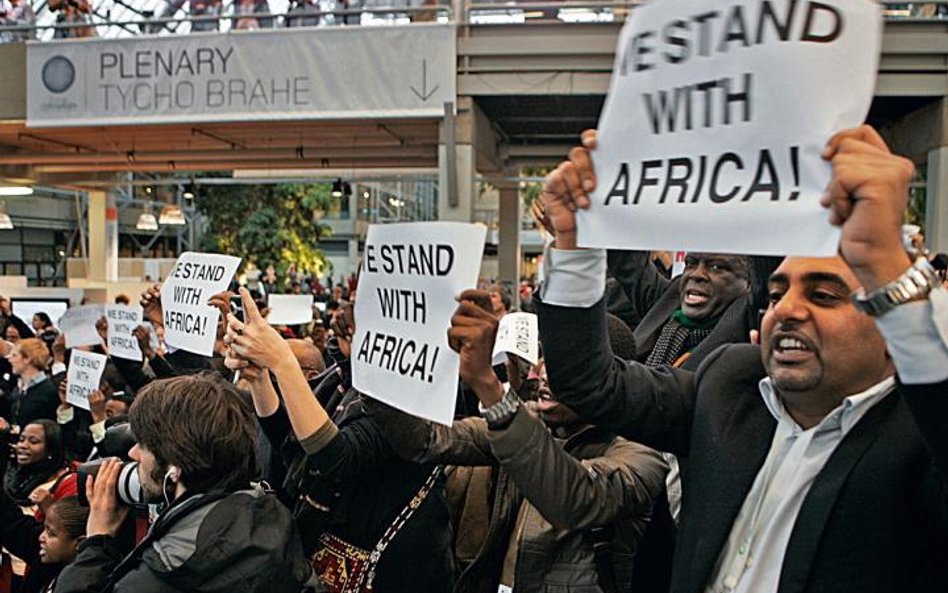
46, 546
43, 327
40, 475
35, 396
369, 519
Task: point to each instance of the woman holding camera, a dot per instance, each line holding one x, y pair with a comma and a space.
46, 546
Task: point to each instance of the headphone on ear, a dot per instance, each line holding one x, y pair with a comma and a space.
174, 473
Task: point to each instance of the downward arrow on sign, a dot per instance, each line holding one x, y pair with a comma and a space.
424, 94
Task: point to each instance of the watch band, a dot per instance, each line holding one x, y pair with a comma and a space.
500, 414
912, 285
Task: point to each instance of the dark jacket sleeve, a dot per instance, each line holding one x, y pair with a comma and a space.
653, 406
623, 482
276, 427
98, 556
357, 447
642, 283
19, 533
465, 442
132, 371
929, 407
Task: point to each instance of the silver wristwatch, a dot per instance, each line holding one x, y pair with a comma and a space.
500, 414
913, 285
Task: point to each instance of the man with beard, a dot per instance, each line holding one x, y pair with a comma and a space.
217, 532
816, 462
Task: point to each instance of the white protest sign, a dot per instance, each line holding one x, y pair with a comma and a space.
78, 325
711, 135
83, 376
518, 334
290, 309
678, 266
411, 274
123, 319
190, 323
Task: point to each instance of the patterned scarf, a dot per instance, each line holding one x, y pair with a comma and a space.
679, 335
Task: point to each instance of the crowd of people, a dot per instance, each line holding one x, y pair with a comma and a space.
74, 17
745, 426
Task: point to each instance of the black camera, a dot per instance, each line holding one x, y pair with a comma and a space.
129, 488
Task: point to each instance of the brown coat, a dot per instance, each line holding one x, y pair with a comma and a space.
594, 479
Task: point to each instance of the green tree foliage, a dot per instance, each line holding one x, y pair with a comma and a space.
268, 224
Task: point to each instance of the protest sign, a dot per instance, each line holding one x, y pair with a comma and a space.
411, 274
678, 266
518, 334
83, 376
711, 135
290, 309
190, 323
78, 325
123, 319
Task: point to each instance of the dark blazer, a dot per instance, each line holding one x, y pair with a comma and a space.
876, 516
37, 402
654, 298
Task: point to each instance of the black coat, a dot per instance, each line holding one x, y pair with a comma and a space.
364, 485
244, 541
39, 401
876, 516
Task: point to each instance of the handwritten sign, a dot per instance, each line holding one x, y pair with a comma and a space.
78, 325
123, 319
711, 135
517, 334
83, 376
190, 323
411, 274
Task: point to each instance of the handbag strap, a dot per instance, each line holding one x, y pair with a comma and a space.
400, 522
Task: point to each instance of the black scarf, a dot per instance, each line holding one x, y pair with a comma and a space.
679, 335
20, 481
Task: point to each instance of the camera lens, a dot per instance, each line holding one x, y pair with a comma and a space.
129, 486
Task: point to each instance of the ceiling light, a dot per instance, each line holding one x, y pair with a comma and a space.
172, 215
147, 222
6, 223
336, 188
16, 190
190, 190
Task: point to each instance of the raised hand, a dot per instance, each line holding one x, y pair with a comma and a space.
566, 189
151, 305
472, 334
253, 340
867, 197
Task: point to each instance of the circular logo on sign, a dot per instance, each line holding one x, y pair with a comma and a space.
58, 74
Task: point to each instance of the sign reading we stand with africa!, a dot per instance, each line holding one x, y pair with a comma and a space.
410, 276
190, 323
711, 135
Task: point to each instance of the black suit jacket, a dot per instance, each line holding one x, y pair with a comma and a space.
876, 516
